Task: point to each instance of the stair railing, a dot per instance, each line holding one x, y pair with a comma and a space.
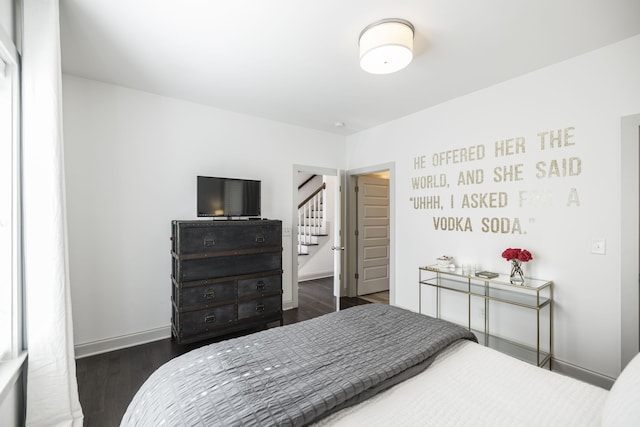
310, 217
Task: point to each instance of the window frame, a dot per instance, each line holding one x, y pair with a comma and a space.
11, 59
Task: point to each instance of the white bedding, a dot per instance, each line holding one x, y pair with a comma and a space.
471, 385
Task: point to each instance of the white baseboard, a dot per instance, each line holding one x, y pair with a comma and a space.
124, 341
582, 374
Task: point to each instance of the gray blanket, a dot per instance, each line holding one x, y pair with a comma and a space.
292, 375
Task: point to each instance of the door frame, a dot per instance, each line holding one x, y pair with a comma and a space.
337, 267
352, 222
630, 238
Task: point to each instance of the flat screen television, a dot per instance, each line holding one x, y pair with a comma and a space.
228, 197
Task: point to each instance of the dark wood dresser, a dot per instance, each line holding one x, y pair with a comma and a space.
226, 276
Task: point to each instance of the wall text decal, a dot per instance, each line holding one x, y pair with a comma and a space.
491, 186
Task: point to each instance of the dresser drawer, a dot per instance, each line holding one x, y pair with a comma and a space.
259, 285
202, 320
203, 295
222, 266
199, 237
259, 307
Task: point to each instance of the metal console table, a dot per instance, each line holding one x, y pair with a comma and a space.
534, 294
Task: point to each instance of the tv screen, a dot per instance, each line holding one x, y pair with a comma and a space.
228, 197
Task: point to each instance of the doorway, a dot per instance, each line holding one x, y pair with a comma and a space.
371, 233
316, 236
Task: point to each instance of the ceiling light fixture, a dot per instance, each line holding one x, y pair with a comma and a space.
386, 46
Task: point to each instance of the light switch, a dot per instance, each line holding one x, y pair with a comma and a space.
598, 246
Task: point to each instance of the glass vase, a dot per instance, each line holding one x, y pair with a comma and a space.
517, 275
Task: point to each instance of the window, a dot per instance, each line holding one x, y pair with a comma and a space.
10, 250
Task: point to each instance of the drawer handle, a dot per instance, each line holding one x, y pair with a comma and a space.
260, 308
208, 242
260, 238
260, 286
210, 318
209, 294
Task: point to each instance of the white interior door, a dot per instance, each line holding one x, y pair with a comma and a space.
373, 234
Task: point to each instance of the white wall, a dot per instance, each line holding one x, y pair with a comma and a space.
588, 94
131, 161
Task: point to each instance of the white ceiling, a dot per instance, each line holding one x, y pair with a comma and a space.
296, 61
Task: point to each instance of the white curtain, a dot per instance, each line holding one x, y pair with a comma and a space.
52, 390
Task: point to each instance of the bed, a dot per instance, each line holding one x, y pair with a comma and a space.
371, 365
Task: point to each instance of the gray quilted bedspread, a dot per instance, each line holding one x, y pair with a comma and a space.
292, 375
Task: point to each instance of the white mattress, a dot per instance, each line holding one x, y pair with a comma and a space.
471, 385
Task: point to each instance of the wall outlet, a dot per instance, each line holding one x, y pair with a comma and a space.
598, 246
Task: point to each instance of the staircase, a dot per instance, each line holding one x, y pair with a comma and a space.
311, 221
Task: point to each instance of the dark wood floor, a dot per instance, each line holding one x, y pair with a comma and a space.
107, 382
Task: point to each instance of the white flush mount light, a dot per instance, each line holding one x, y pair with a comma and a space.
386, 46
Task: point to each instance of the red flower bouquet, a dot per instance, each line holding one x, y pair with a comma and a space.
522, 255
